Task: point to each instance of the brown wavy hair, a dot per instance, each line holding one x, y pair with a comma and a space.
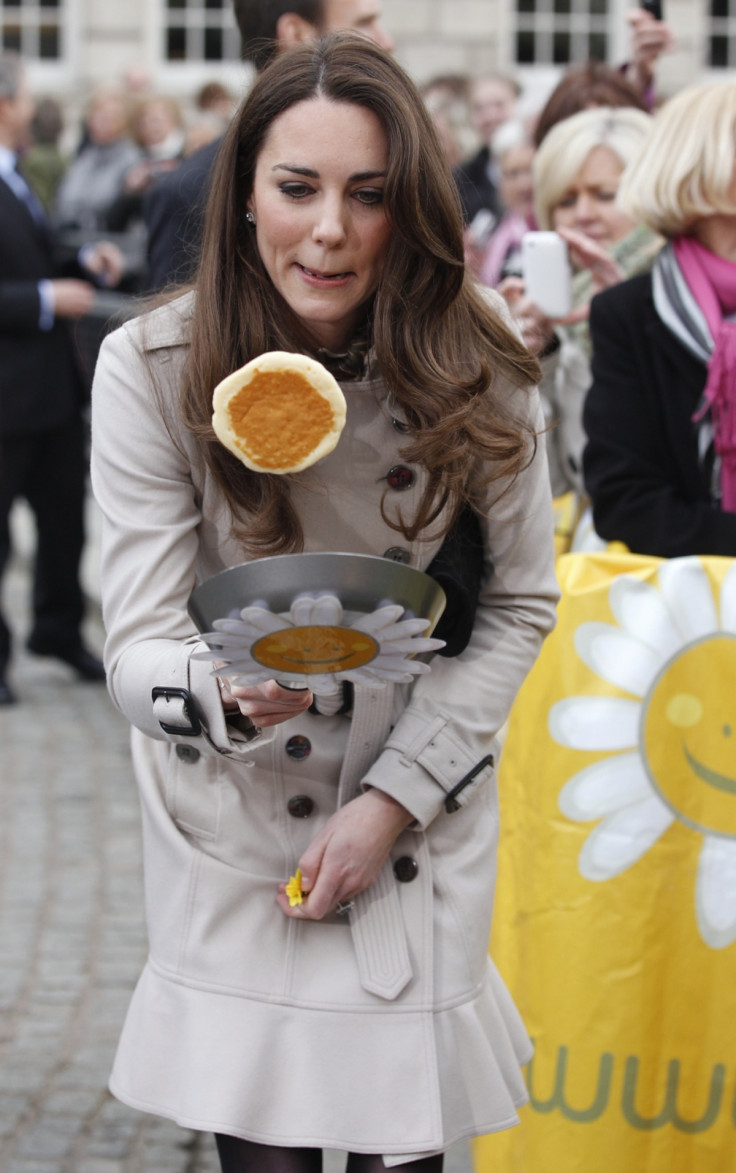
443, 353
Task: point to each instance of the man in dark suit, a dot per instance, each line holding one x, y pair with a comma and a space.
174, 208
42, 439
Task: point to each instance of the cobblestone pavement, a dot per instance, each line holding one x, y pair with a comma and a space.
72, 938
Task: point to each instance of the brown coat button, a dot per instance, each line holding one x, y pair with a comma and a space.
400, 477
187, 753
300, 806
298, 747
406, 869
398, 554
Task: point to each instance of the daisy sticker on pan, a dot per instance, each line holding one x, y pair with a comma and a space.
671, 750
315, 647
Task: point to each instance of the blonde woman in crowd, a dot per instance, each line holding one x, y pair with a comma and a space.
660, 465
577, 171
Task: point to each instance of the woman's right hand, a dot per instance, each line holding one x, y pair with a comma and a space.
537, 330
265, 704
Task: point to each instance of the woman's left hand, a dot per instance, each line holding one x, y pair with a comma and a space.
649, 39
265, 704
347, 855
587, 254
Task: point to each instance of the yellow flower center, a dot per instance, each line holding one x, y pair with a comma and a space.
317, 648
688, 735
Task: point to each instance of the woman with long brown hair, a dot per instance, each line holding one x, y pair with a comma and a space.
368, 1017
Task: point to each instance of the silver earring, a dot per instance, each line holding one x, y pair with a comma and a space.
250, 217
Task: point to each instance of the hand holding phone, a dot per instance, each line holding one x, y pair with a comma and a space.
654, 8
547, 273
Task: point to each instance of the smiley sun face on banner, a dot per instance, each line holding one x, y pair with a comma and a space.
314, 647
672, 750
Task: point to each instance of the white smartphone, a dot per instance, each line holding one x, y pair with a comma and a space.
547, 274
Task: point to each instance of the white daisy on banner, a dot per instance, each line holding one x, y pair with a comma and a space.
316, 647
673, 749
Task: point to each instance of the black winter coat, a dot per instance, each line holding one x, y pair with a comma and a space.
641, 467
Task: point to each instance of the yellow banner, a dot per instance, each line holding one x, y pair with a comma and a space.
615, 917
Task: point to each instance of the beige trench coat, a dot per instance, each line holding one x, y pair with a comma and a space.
389, 1031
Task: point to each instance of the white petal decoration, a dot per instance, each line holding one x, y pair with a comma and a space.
391, 647
321, 683
394, 638
606, 786
380, 618
715, 892
301, 611
593, 722
617, 657
263, 620
640, 610
326, 610
585, 540
409, 627
728, 601
688, 595
623, 838
244, 679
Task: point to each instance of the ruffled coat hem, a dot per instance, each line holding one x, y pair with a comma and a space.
420, 1082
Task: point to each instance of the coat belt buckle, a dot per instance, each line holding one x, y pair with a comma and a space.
192, 722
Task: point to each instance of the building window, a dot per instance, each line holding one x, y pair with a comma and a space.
34, 28
200, 30
722, 34
561, 32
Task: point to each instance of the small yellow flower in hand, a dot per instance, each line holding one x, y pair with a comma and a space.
294, 889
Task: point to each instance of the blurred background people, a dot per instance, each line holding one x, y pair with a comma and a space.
94, 179
594, 83
42, 396
660, 464
493, 101
156, 126
581, 88
577, 171
215, 99
650, 38
214, 108
447, 97
43, 164
513, 150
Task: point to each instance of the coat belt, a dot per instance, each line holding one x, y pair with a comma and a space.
376, 922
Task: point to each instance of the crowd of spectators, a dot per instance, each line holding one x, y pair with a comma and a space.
92, 179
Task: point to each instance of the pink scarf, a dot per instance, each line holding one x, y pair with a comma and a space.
712, 281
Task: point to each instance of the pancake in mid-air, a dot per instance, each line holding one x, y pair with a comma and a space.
279, 413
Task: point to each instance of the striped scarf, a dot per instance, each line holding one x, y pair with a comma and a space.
695, 295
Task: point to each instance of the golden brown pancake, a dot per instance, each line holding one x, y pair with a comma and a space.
279, 413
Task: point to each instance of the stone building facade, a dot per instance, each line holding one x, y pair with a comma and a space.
74, 44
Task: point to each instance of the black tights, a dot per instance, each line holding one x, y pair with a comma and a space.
244, 1156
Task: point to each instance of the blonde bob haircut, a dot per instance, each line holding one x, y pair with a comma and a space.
685, 170
565, 149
